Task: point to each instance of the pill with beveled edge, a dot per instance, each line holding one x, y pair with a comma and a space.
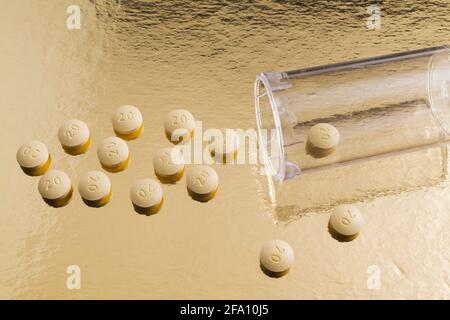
168, 164
346, 221
179, 125
127, 122
224, 147
55, 188
113, 154
146, 196
323, 139
276, 257
95, 188
202, 183
74, 137
34, 158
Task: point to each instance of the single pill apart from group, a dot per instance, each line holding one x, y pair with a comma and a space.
74, 137
179, 125
55, 188
34, 158
276, 258
346, 221
113, 154
323, 139
127, 122
168, 164
202, 183
224, 148
95, 188
146, 196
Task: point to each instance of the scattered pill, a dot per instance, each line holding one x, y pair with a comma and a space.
55, 188
113, 154
127, 122
202, 183
276, 258
168, 164
34, 158
346, 222
146, 196
179, 125
74, 137
224, 148
323, 139
95, 188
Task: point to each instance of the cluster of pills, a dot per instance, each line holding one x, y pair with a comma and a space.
95, 188
56, 189
276, 256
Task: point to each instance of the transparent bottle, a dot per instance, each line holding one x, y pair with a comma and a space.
383, 107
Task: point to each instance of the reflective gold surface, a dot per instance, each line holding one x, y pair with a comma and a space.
202, 56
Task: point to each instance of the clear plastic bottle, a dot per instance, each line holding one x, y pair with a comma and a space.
382, 107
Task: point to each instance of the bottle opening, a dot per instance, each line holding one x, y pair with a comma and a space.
439, 88
269, 128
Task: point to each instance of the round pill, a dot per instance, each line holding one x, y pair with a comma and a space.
113, 154
127, 122
179, 125
276, 258
224, 148
34, 158
74, 137
95, 188
168, 164
202, 183
146, 196
323, 138
55, 188
346, 222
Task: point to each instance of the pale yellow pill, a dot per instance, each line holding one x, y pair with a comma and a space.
179, 125
276, 257
202, 183
95, 188
113, 154
146, 196
224, 148
127, 122
323, 138
346, 221
74, 136
55, 188
168, 164
34, 158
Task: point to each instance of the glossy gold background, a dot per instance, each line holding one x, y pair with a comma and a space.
203, 56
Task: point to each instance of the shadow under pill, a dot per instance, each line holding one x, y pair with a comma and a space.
173, 179
38, 171
98, 203
272, 274
61, 202
131, 136
78, 150
202, 197
118, 168
339, 237
148, 211
316, 152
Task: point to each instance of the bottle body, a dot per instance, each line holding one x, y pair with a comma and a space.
382, 107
